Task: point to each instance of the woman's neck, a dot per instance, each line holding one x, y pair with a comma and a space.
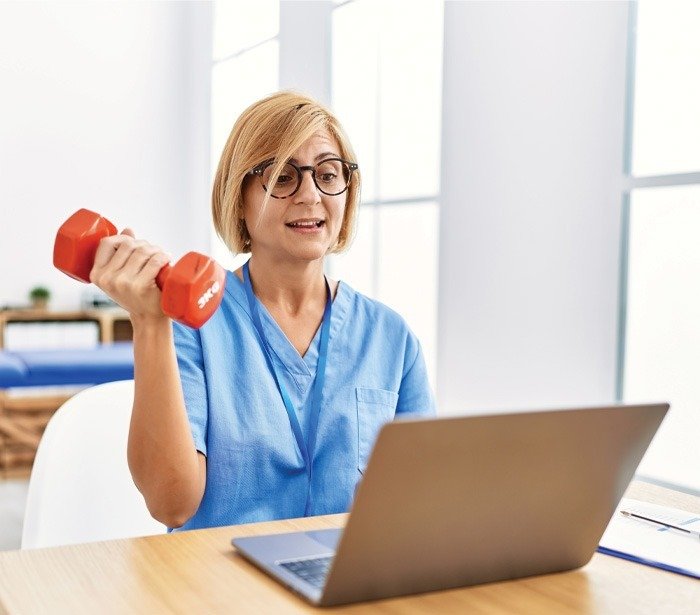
288, 286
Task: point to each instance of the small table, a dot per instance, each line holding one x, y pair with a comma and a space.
199, 572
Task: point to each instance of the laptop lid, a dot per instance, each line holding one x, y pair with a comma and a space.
455, 501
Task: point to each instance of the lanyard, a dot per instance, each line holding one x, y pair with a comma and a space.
306, 448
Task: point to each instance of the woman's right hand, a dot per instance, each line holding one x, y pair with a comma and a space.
126, 268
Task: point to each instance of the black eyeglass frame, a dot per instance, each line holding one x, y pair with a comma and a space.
259, 169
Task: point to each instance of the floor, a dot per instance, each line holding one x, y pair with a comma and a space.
13, 495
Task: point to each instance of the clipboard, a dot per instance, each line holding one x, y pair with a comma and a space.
650, 544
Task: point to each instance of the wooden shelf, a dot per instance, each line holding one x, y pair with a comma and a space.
24, 418
113, 323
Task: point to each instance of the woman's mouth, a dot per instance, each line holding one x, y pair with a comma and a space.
306, 226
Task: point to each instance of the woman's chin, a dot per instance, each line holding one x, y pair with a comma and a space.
309, 250
311, 253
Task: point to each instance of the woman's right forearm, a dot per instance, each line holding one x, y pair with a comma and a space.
163, 460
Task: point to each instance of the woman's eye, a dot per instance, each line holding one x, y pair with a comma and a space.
284, 179
328, 177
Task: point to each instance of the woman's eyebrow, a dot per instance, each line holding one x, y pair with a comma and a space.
323, 155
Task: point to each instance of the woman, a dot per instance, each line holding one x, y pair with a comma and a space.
270, 410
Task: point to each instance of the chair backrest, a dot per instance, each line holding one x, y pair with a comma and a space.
80, 488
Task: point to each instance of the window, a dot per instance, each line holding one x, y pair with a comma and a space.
244, 69
387, 92
667, 89
661, 333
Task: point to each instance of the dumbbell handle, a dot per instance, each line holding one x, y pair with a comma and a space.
162, 276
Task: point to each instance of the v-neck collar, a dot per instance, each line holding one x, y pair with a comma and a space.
284, 350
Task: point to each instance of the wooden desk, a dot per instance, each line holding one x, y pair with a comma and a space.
199, 572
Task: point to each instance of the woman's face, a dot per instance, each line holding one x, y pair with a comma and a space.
284, 229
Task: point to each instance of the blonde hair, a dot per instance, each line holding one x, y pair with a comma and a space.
274, 128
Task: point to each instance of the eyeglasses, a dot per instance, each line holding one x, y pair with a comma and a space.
331, 176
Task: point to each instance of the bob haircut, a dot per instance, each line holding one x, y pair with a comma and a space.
274, 128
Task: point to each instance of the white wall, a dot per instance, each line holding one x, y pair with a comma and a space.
305, 47
104, 106
532, 157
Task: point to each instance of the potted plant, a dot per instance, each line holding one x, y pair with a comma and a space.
39, 296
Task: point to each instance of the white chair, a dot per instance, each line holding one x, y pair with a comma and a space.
80, 488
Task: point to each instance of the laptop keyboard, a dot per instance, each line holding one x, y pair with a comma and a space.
313, 571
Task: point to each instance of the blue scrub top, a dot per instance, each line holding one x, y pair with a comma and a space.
255, 470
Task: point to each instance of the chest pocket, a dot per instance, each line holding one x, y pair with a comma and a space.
374, 408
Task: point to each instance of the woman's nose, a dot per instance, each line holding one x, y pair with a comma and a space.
308, 192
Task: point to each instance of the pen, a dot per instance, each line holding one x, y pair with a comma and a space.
692, 533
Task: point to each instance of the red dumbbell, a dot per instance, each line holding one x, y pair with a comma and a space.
192, 288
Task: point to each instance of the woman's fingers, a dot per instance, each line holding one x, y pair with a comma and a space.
109, 246
124, 255
138, 259
120, 259
146, 277
107, 249
126, 269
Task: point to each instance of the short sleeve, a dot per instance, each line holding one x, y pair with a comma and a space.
415, 396
188, 348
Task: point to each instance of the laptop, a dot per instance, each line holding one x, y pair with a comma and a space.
456, 501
